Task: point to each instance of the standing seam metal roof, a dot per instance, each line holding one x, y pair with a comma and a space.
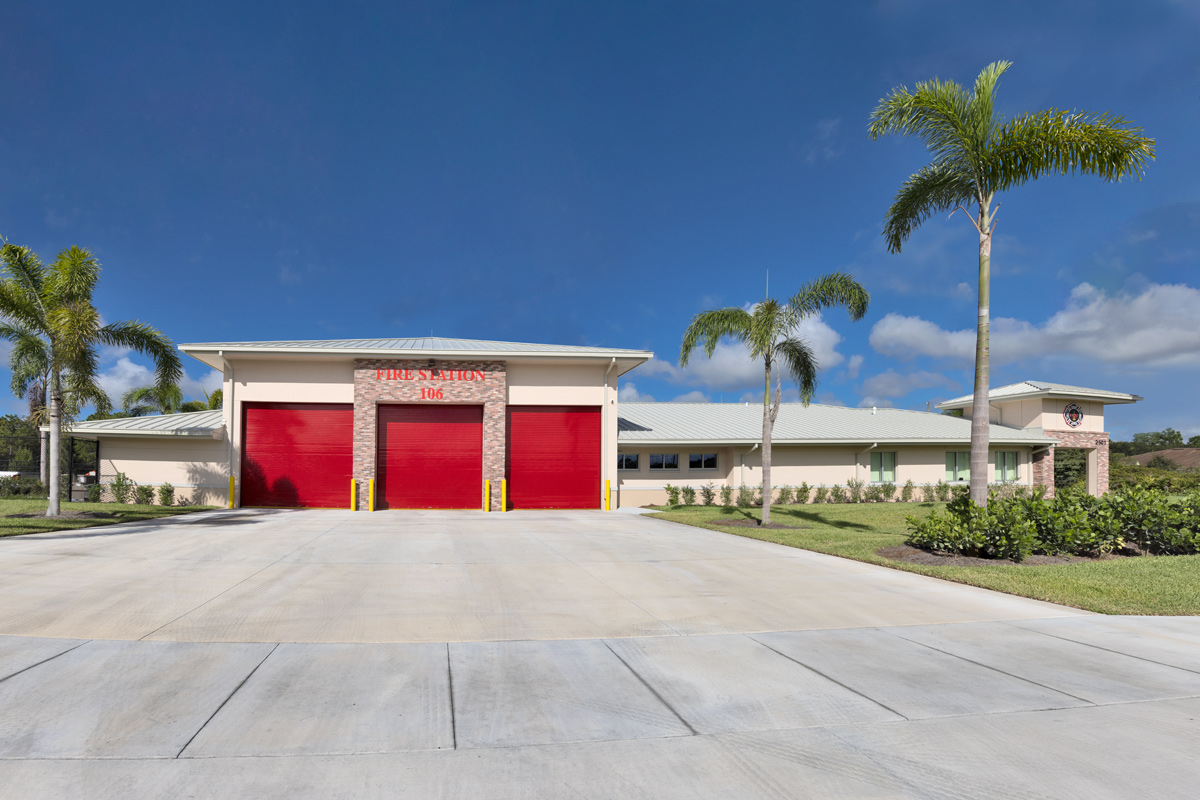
193, 423
1043, 389
426, 344
735, 422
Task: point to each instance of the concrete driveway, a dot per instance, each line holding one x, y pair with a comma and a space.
442, 654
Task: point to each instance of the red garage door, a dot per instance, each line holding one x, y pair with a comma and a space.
554, 456
430, 456
297, 455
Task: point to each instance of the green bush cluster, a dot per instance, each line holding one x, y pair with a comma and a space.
1128, 474
708, 494
726, 495
124, 490
689, 495
17, 486
1074, 523
672, 494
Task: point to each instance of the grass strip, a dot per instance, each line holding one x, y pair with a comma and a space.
1151, 585
16, 526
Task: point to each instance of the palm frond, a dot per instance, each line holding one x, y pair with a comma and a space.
797, 359
709, 327
72, 277
20, 289
1064, 142
982, 114
938, 113
834, 289
148, 341
935, 187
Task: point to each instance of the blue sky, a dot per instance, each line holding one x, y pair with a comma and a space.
598, 172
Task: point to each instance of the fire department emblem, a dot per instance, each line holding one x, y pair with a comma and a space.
1073, 415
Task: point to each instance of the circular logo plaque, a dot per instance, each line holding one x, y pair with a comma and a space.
1073, 415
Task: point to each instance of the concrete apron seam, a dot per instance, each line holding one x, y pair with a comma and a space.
1010, 623
450, 687
987, 666
234, 586
44, 660
237, 688
651, 689
830, 678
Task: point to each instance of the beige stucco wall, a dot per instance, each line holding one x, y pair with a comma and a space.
195, 467
1045, 413
1093, 415
793, 465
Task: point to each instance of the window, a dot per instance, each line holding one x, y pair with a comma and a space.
660, 461
627, 461
883, 466
1006, 466
958, 466
702, 461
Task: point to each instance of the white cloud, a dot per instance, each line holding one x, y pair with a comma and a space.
126, 374
853, 366
893, 384
825, 143
1158, 327
694, 396
629, 394
876, 402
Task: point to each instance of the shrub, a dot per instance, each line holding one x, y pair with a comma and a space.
802, 493
689, 495
758, 498
745, 496
941, 490
888, 490
144, 495
908, 491
708, 494
820, 495
837, 494
1162, 462
726, 495
93, 493
928, 493
121, 488
872, 494
672, 494
166, 495
785, 496
855, 488
16, 486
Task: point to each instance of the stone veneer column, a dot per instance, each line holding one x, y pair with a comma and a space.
370, 390
1043, 463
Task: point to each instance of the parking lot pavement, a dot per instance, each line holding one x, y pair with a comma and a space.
619, 672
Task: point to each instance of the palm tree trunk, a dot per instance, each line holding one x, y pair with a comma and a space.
766, 449
45, 459
54, 408
981, 409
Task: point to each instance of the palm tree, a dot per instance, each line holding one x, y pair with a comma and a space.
150, 399
977, 154
211, 402
47, 314
768, 330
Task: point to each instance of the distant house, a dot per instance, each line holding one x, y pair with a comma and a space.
1182, 457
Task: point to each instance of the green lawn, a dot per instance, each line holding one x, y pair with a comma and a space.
15, 526
1141, 585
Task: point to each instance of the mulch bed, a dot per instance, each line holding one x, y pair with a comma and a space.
64, 515
915, 555
753, 523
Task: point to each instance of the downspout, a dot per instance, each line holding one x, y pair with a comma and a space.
604, 432
232, 410
856, 459
748, 452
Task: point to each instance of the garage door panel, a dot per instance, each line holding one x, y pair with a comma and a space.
554, 456
430, 456
297, 455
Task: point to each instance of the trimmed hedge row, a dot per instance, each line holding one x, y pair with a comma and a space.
1074, 523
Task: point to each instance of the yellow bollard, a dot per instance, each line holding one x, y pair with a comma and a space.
608, 495
487, 495
231, 491
353, 495
371, 494
504, 494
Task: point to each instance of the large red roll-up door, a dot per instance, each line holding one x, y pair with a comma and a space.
554, 456
430, 456
297, 454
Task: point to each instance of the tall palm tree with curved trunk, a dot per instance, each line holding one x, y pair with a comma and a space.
769, 331
47, 313
976, 154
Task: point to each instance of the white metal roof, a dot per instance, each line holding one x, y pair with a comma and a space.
740, 423
1034, 389
198, 424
